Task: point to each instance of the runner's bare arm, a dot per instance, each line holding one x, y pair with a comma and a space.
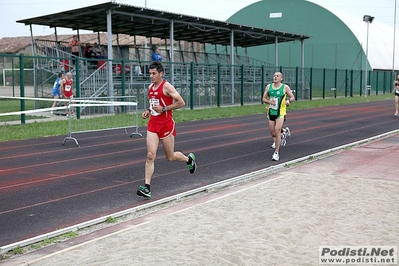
266, 97
62, 86
291, 96
172, 92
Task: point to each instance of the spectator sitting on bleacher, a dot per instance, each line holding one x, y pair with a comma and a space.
96, 50
103, 54
87, 52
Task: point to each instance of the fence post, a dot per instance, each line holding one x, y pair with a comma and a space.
192, 85
335, 92
361, 83
346, 83
262, 86
384, 83
77, 71
242, 85
368, 82
296, 84
13, 79
376, 83
123, 76
335, 82
351, 90
218, 88
324, 83
311, 83
22, 85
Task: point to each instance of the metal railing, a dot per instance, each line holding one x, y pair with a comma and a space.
102, 113
202, 85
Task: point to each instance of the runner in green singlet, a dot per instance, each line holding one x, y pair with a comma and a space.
278, 95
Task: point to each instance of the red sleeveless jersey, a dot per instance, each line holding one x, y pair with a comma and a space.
68, 88
157, 97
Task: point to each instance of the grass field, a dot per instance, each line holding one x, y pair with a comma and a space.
60, 128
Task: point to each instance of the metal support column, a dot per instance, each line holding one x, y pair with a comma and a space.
303, 69
110, 57
57, 45
276, 53
172, 54
232, 65
35, 65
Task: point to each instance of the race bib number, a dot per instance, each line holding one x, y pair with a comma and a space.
154, 102
68, 88
397, 91
275, 105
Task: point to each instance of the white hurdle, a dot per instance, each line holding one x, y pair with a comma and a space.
92, 114
34, 110
103, 113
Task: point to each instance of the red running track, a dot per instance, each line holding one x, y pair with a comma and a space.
45, 186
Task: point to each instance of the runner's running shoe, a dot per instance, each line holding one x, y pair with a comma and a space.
144, 191
192, 165
283, 142
288, 131
273, 146
275, 156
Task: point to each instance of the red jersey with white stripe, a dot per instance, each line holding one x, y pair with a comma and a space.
157, 97
68, 88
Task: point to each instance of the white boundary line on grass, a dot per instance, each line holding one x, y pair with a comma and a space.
209, 188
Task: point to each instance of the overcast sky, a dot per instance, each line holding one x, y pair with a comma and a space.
13, 10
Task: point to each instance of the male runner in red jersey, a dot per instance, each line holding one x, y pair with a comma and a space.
163, 98
67, 89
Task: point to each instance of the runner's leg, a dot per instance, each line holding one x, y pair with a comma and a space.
152, 147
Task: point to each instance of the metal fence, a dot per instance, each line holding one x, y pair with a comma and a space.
102, 113
201, 85
82, 114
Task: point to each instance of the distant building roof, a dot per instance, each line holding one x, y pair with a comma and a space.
13, 45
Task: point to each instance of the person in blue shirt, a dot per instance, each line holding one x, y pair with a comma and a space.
56, 90
156, 56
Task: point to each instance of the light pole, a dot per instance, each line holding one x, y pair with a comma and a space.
368, 19
145, 40
393, 50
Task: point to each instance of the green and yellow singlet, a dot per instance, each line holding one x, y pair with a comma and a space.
280, 108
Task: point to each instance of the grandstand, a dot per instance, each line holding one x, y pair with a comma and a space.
200, 55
